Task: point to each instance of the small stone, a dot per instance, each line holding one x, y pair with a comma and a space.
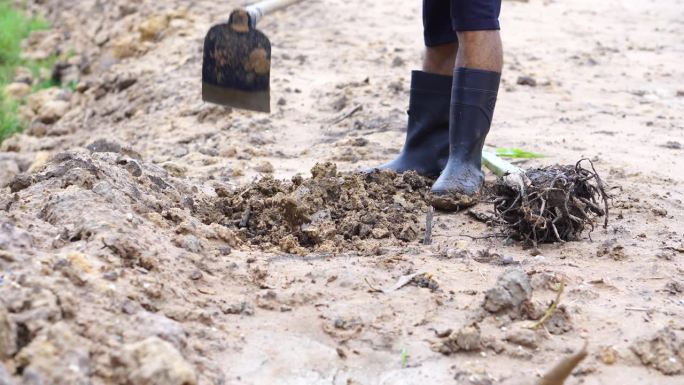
359, 142
180, 152
125, 82
264, 167
132, 166
659, 211
175, 169
101, 37
511, 291
195, 275
380, 233
468, 338
190, 243
526, 81
674, 287
8, 170
672, 145
52, 111
17, 91
125, 47
507, 260
39, 161
110, 276
159, 325
238, 308
408, 233
154, 361
225, 234
608, 355
153, 28
523, 337
457, 253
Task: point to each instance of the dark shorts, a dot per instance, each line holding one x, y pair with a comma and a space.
442, 18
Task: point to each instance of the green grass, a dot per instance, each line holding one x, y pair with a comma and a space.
15, 26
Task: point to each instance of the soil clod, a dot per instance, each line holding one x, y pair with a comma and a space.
663, 351
512, 290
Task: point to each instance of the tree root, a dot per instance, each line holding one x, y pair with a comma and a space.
555, 204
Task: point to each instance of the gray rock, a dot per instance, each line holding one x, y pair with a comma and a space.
511, 291
468, 338
527, 81
12, 237
161, 326
523, 337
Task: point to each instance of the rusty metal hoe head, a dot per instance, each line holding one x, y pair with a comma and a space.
237, 65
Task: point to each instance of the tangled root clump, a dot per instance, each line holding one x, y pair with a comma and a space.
555, 203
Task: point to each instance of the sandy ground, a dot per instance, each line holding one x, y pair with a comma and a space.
117, 267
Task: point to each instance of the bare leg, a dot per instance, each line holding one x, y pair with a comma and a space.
440, 59
480, 50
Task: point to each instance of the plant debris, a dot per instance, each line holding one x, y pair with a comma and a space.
555, 203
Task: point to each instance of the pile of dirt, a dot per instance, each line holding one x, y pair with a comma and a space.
330, 211
555, 203
663, 351
505, 315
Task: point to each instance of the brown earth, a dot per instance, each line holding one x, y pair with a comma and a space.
137, 247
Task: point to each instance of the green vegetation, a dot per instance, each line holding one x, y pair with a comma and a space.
15, 26
517, 153
404, 358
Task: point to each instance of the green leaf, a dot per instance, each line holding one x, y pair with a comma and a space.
517, 153
404, 358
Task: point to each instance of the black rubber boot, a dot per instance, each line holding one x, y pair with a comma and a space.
426, 148
472, 106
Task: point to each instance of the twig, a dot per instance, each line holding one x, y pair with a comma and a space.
373, 289
427, 240
551, 310
638, 309
354, 110
245, 217
487, 236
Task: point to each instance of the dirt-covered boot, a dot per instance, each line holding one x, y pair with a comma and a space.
426, 148
472, 106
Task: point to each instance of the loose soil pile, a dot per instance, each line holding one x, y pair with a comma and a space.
330, 211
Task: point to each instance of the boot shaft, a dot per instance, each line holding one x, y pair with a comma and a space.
473, 98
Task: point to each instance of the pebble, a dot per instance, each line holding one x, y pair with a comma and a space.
526, 81
17, 91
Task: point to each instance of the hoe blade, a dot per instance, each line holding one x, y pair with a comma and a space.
237, 65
